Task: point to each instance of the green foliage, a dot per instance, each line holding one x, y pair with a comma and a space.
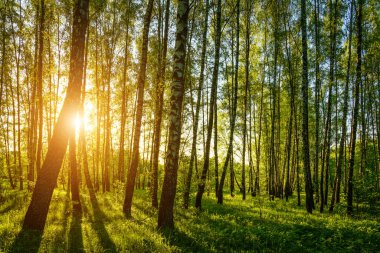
256, 225
365, 190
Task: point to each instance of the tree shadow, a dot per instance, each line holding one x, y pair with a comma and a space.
181, 240
16, 200
150, 212
27, 241
60, 238
9, 207
75, 235
98, 224
30, 240
283, 231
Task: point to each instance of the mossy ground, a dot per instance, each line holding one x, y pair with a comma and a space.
254, 225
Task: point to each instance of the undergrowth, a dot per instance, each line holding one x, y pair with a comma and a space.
254, 225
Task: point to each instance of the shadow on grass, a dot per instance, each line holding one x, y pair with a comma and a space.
181, 240
98, 225
9, 207
228, 228
75, 235
30, 240
60, 237
16, 199
27, 241
150, 212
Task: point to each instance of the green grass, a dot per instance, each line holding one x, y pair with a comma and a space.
255, 225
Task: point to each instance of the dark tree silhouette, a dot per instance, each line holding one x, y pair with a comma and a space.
35, 217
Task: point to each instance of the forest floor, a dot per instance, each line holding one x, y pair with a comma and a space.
254, 225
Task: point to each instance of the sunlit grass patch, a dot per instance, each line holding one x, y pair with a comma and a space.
253, 225
281, 226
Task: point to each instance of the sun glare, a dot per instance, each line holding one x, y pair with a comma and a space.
77, 121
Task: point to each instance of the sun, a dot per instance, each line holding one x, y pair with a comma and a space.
77, 120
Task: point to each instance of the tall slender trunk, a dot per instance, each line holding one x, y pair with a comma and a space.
6, 137
363, 123
124, 95
197, 111
335, 197
359, 15
58, 70
230, 114
109, 55
139, 109
7, 98
98, 112
258, 142
305, 113
14, 134
216, 169
107, 137
288, 190
159, 107
39, 84
214, 84
327, 137
17, 52
18, 91
247, 85
165, 212
317, 95
35, 217
228, 159
297, 163
250, 157
273, 163
333, 80
49, 112
33, 108
82, 131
